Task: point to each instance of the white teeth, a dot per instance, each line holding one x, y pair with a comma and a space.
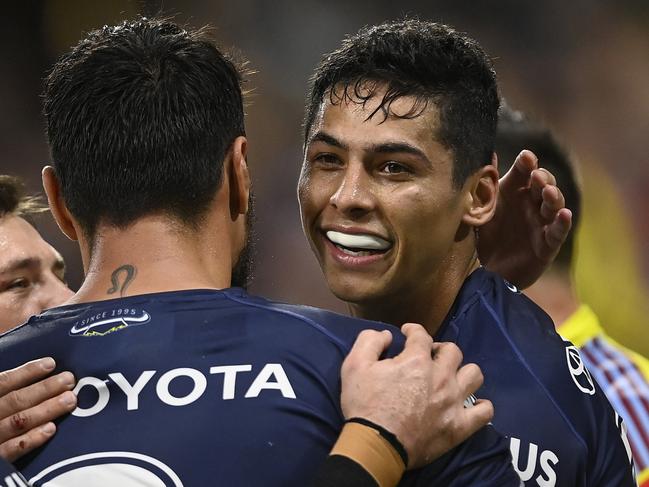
359, 253
358, 241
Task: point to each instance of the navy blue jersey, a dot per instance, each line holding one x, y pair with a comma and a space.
561, 427
9, 477
207, 387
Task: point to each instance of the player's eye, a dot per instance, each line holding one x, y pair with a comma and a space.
17, 284
326, 160
392, 167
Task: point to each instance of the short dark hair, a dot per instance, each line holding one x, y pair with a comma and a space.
139, 119
15, 201
517, 132
425, 60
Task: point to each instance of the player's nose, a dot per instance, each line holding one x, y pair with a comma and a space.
353, 193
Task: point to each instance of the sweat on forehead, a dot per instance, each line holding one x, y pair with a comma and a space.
378, 103
380, 96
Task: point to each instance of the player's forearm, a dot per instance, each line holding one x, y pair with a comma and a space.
362, 457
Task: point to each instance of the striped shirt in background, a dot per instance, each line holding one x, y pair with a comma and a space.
622, 374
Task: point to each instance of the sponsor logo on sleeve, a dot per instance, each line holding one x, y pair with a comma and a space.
578, 371
109, 321
534, 465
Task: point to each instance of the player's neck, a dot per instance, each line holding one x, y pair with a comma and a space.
154, 255
555, 294
426, 303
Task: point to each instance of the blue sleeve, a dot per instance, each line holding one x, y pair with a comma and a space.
553, 399
483, 460
611, 462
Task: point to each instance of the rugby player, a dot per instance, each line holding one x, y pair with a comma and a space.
32, 272
32, 278
622, 373
183, 379
398, 180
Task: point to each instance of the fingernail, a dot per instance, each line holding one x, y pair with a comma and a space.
67, 379
48, 429
68, 399
48, 363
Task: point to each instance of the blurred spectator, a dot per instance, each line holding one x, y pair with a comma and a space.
32, 272
607, 269
622, 373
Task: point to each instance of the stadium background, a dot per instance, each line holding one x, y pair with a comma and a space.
580, 66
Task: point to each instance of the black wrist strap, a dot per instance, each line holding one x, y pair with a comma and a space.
340, 471
389, 436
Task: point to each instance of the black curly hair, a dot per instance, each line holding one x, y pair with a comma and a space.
430, 62
139, 118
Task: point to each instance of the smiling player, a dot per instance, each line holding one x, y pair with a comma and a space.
397, 181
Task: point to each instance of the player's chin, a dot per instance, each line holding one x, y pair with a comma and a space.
355, 290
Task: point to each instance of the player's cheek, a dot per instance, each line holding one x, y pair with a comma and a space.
16, 309
419, 244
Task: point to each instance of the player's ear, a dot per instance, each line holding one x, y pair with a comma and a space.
58, 208
482, 194
239, 177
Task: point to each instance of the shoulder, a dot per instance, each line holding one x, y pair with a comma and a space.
200, 311
488, 300
519, 325
512, 328
339, 329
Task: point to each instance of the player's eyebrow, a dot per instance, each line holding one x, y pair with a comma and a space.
327, 139
19, 264
382, 148
395, 147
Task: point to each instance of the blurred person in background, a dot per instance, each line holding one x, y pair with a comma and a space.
622, 373
32, 272
398, 182
604, 199
32, 279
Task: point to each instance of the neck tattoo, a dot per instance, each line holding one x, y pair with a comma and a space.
129, 272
